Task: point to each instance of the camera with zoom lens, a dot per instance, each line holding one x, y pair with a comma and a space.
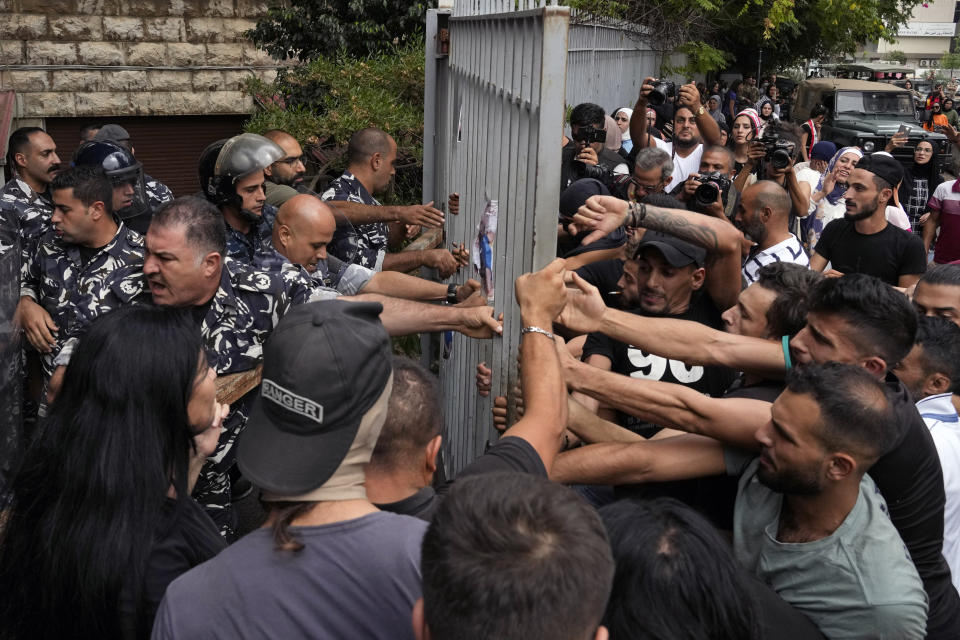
589, 135
583, 170
779, 150
713, 185
661, 91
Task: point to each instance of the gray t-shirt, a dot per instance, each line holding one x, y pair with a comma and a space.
858, 582
353, 579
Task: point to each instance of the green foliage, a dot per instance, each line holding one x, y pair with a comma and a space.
950, 61
701, 58
310, 29
323, 102
898, 57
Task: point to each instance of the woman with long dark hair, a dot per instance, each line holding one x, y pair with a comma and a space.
919, 181
101, 519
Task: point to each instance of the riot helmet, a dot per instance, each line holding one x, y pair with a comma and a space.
225, 162
121, 169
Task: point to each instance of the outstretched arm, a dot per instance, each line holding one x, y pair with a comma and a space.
541, 297
689, 342
731, 420
358, 213
404, 317
638, 121
616, 463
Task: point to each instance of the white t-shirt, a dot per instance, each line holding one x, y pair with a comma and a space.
682, 167
897, 217
944, 424
787, 251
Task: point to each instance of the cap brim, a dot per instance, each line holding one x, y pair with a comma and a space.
289, 464
671, 254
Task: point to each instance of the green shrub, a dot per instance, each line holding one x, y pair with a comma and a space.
323, 102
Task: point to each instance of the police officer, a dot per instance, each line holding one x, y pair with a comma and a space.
130, 203
85, 246
32, 154
232, 178
285, 176
157, 192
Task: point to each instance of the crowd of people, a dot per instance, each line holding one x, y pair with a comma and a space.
737, 410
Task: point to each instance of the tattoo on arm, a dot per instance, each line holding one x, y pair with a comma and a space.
658, 219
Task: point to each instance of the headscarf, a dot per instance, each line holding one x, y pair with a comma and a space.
754, 119
834, 196
627, 110
613, 133
719, 110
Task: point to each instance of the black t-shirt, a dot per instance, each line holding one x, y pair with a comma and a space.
777, 618
887, 254
911, 480
630, 361
185, 538
508, 454
604, 275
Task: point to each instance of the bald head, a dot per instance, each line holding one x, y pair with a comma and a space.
302, 230
763, 214
290, 169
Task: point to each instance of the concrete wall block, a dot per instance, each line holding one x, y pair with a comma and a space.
169, 81
12, 52
103, 53
208, 81
148, 54
205, 30
182, 54
27, 80
125, 80
44, 52
49, 104
234, 28
104, 103
220, 8
122, 28
23, 26
145, 8
235, 80
163, 29
252, 8
77, 28
225, 55
77, 81
252, 56
50, 7
228, 102
98, 7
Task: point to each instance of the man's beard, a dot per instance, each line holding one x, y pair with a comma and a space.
792, 482
755, 231
862, 215
686, 144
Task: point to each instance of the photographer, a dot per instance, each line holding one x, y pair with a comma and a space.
690, 120
774, 155
711, 190
585, 155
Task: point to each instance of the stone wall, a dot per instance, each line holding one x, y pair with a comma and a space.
129, 57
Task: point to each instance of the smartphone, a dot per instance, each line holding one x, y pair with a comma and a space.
902, 129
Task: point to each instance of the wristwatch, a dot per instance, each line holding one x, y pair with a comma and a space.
701, 111
452, 294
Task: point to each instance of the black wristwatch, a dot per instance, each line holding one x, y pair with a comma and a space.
452, 294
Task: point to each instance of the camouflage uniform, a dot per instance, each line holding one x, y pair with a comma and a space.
243, 246
157, 195
57, 279
371, 238
346, 278
32, 212
237, 321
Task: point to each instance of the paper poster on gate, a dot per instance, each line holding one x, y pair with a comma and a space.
483, 248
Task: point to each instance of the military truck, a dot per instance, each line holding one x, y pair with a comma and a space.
866, 115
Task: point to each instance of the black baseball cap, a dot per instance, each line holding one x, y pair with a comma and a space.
324, 367
575, 196
679, 253
882, 165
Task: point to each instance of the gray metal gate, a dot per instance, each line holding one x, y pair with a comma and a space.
493, 121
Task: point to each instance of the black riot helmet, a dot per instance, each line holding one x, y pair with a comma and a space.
225, 162
121, 168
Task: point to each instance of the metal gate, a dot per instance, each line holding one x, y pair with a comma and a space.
493, 120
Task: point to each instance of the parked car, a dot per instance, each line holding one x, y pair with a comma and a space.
866, 115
